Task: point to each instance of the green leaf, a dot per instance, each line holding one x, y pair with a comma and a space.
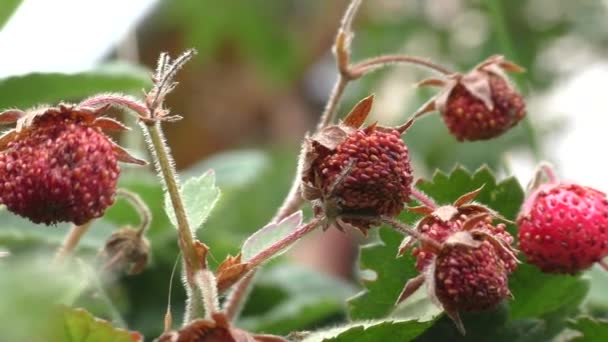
392, 273
200, 196
537, 293
77, 325
233, 168
48, 88
592, 330
271, 234
289, 298
19, 233
390, 330
7, 9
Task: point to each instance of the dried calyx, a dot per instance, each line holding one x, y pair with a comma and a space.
481, 104
349, 172
467, 266
216, 329
57, 165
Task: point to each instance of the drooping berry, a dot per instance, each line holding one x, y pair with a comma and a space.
357, 172
563, 228
469, 278
481, 104
58, 166
440, 223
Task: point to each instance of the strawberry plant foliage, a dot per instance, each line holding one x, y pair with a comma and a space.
77, 325
391, 273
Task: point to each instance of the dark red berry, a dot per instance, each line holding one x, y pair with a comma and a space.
58, 167
470, 278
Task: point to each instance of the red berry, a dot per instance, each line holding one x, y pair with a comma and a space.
58, 168
564, 228
470, 278
379, 175
469, 118
350, 172
438, 230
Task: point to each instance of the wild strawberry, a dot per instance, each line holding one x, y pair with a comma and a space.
349, 171
468, 276
481, 104
438, 224
57, 165
563, 228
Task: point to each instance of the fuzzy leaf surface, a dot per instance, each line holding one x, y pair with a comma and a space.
200, 194
77, 325
271, 234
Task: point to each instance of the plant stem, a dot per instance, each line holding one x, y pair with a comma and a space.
192, 265
364, 67
404, 229
547, 169
278, 246
423, 198
71, 241
235, 301
329, 113
506, 43
140, 206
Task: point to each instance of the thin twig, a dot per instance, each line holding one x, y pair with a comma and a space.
404, 229
278, 246
234, 303
423, 198
145, 215
372, 64
71, 241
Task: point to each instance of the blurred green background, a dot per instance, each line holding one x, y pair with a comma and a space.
258, 84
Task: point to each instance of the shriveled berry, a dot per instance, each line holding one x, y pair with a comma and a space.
563, 228
470, 278
469, 118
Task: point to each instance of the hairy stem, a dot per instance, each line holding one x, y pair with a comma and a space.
143, 211
331, 108
278, 246
423, 198
405, 229
234, 303
71, 241
364, 67
164, 163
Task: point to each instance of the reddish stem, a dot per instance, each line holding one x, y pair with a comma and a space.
423, 198
284, 242
403, 228
547, 169
117, 100
360, 69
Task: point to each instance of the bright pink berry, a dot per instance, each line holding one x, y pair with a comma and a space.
564, 228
